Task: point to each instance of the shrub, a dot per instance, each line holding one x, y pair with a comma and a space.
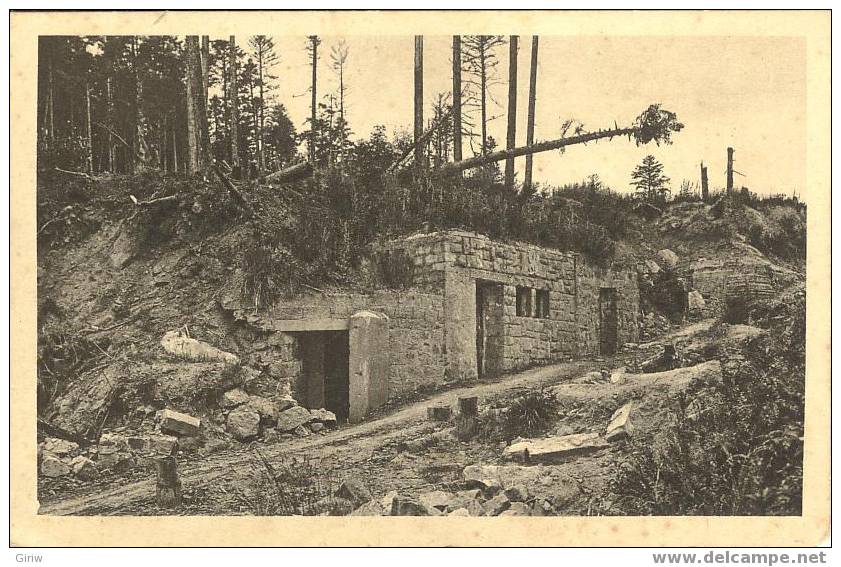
530, 414
290, 487
734, 447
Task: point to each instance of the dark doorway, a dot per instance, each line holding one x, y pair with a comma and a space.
489, 339
609, 321
324, 381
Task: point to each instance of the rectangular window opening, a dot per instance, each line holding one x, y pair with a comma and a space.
542, 311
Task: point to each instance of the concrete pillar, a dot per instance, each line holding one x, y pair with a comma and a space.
369, 363
460, 327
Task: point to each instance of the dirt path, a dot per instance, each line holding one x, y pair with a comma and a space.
355, 439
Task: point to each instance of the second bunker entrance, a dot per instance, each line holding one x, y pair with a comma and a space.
324, 381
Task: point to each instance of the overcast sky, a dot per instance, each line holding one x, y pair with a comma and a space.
744, 92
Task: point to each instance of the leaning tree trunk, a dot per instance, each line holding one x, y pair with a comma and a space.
500, 155
89, 140
527, 181
314, 99
511, 138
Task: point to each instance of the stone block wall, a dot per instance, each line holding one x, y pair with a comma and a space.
415, 332
590, 280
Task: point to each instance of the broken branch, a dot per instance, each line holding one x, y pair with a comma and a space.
232, 189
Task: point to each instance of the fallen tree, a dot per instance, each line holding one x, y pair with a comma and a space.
654, 125
291, 173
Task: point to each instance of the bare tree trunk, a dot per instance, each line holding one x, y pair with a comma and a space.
729, 170
500, 155
511, 138
233, 108
418, 101
705, 189
260, 119
174, 149
192, 163
110, 110
89, 156
313, 102
457, 98
50, 101
527, 181
483, 85
205, 62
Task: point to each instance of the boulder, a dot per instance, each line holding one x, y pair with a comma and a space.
112, 442
59, 447
84, 468
436, 499
517, 493
485, 477
667, 259
182, 346
617, 375
372, 508
407, 506
243, 423
620, 426
180, 423
387, 500
52, 467
138, 443
265, 408
292, 418
554, 448
497, 505
592, 377
695, 301
471, 500
333, 506
285, 402
354, 489
460, 512
316, 426
652, 267
119, 461
302, 431
233, 398
517, 509
324, 416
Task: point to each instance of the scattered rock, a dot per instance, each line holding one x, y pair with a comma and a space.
436, 499
59, 447
324, 416
497, 505
387, 500
286, 402
563, 492
592, 377
316, 426
617, 375
620, 426
517, 509
354, 489
517, 493
243, 423
84, 468
214, 446
667, 259
120, 461
52, 467
459, 512
554, 448
695, 301
182, 346
233, 398
333, 506
265, 408
652, 267
302, 431
179, 423
138, 444
407, 506
293, 418
112, 442
471, 500
485, 477
371, 508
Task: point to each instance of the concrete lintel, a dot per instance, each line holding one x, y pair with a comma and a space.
297, 325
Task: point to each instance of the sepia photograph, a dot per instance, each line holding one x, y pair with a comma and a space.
313, 270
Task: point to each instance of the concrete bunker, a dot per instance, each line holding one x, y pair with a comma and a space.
345, 363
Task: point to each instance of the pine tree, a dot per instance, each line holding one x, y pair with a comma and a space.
649, 180
480, 62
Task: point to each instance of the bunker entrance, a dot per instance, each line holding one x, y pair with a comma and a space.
489, 325
324, 381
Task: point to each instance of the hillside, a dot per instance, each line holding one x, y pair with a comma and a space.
125, 260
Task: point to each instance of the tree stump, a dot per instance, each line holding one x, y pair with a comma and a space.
168, 487
467, 423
